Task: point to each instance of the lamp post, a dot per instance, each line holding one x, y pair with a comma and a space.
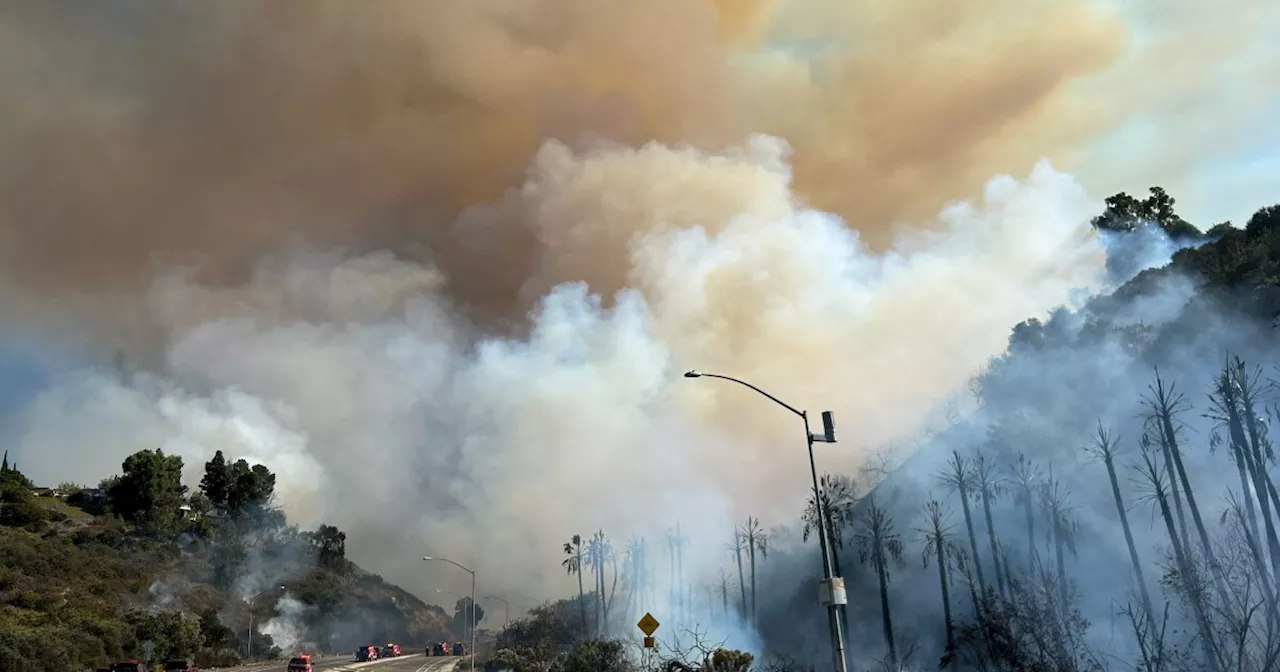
506, 614
832, 592
250, 641
472, 617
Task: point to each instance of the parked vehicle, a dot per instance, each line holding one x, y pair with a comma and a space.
180, 665
300, 663
367, 653
391, 651
127, 666
459, 649
440, 649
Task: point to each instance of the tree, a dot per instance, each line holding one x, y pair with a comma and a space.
573, 565
215, 634
243, 491
216, 484
959, 479
736, 547
989, 486
938, 544
461, 609
1125, 213
173, 633
330, 545
755, 539
1104, 449
150, 489
839, 496
879, 544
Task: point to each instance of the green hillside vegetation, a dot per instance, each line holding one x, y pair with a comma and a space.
88, 574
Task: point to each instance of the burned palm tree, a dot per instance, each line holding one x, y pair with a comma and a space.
959, 478
676, 541
633, 565
938, 544
1164, 404
988, 487
755, 539
1025, 483
1234, 408
1154, 488
737, 546
599, 557
1104, 449
723, 581
1055, 502
879, 544
573, 565
839, 497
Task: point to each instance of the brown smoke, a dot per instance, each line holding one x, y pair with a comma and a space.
140, 133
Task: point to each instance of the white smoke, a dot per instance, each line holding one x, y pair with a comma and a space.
288, 627
383, 412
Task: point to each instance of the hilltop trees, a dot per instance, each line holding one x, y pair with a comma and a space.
150, 490
243, 492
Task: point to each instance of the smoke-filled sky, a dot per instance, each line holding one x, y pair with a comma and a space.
440, 264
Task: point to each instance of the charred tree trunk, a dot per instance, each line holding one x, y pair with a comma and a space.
1128, 540
886, 617
742, 583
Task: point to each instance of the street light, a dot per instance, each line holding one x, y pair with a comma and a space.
832, 595
506, 616
250, 650
472, 618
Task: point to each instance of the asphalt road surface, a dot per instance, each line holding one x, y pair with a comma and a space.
410, 662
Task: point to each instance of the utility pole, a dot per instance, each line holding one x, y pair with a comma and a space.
472, 616
832, 587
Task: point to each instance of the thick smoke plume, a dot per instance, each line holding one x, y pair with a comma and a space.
441, 264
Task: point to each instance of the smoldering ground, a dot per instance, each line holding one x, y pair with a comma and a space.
519, 223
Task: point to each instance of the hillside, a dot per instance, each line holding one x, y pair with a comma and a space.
1117, 464
88, 574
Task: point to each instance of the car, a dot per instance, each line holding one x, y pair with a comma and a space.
180, 665
391, 651
367, 653
300, 663
127, 666
459, 649
440, 649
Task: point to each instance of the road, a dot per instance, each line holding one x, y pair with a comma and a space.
407, 663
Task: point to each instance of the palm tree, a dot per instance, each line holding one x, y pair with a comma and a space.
723, 577
676, 541
879, 544
960, 479
1234, 407
573, 565
839, 497
1104, 448
1055, 500
633, 565
756, 539
1025, 482
599, 556
938, 543
736, 547
1156, 491
989, 486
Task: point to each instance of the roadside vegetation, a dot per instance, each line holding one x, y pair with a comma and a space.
89, 574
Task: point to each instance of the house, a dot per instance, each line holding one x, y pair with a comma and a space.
186, 512
43, 492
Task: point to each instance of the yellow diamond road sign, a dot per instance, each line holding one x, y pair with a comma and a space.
648, 624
